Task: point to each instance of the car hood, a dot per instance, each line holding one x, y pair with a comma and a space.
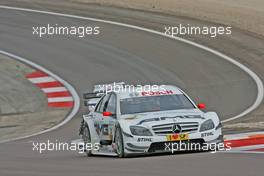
153, 118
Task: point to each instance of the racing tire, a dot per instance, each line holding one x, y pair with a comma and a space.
119, 142
86, 136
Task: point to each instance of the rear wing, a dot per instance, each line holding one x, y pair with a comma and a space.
89, 96
105, 87
99, 90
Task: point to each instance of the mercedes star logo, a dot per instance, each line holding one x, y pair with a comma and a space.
176, 128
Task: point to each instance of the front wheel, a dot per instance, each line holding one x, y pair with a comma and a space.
119, 142
86, 136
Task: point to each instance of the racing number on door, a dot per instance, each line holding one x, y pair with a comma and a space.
99, 119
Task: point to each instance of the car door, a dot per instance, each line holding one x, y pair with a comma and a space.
110, 121
98, 115
105, 124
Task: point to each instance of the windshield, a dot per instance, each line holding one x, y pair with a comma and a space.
154, 103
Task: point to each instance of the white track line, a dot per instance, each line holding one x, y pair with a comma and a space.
241, 66
66, 84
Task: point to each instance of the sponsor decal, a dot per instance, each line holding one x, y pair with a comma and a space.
177, 137
155, 93
207, 134
144, 140
105, 129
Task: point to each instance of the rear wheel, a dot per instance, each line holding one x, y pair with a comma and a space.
86, 136
119, 143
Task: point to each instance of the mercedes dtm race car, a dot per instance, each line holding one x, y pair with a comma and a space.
127, 122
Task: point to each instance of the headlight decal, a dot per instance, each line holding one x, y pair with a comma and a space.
140, 131
207, 125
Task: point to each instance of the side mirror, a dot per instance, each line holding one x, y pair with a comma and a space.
201, 106
107, 114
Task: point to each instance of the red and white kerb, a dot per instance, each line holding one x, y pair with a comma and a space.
57, 94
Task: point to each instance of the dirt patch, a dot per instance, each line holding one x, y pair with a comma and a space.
17, 94
23, 107
13, 126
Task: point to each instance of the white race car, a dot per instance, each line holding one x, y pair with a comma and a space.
128, 122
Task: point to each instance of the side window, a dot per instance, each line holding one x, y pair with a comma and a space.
111, 106
103, 103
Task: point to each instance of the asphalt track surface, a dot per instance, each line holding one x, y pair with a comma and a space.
124, 54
